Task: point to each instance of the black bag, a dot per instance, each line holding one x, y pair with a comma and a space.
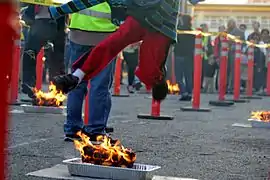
144, 4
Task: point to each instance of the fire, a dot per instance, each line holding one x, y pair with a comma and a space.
261, 115
51, 98
173, 88
105, 153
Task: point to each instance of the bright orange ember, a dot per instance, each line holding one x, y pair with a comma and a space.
173, 88
261, 115
104, 153
51, 98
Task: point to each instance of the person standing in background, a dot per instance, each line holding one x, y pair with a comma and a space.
131, 56
265, 35
232, 29
184, 52
207, 50
88, 28
42, 29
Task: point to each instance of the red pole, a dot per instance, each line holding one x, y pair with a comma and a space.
223, 68
250, 70
15, 74
197, 72
39, 69
237, 73
86, 106
7, 34
268, 73
155, 108
173, 67
117, 76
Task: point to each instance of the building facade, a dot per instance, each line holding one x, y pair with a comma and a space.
216, 15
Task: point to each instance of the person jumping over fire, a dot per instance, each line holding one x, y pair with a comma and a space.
152, 21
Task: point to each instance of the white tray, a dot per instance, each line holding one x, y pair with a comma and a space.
259, 124
138, 172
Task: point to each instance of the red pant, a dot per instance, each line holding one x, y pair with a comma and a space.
153, 51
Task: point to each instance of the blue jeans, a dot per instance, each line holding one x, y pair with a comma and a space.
99, 98
183, 73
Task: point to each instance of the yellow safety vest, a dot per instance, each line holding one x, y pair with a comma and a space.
205, 44
96, 19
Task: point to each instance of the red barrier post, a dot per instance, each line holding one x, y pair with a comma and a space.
197, 78
268, 73
86, 106
15, 74
237, 74
223, 75
117, 78
249, 88
155, 113
39, 69
7, 34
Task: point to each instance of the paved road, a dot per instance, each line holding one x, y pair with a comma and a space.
194, 145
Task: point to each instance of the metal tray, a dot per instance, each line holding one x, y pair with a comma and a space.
259, 124
138, 172
42, 109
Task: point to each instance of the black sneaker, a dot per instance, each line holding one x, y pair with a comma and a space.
71, 137
26, 89
109, 130
160, 89
185, 98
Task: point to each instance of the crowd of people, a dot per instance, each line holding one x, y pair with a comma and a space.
184, 57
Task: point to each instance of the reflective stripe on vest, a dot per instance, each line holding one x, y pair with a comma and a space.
93, 19
205, 44
90, 12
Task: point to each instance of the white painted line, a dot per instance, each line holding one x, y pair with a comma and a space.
28, 143
241, 125
170, 178
16, 111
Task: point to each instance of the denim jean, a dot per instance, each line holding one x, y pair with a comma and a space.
99, 98
183, 74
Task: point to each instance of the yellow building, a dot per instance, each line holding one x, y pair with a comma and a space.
218, 14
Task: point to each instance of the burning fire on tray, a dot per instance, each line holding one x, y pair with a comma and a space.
261, 115
51, 98
173, 88
105, 153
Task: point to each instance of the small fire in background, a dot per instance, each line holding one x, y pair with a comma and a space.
105, 153
261, 115
52, 98
173, 88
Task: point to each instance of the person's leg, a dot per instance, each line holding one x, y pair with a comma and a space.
76, 97
129, 32
153, 54
56, 62
132, 62
179, 74
189, 75
99, 101
35, 41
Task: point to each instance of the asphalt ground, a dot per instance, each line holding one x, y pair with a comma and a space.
194, 145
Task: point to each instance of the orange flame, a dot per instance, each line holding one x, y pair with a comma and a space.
105, 153
51, 98
173, 88
261, 115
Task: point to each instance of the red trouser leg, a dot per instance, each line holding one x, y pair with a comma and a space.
153, 53
129, 32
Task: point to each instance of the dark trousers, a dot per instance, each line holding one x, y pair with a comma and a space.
184, 74
132, 62
41, 31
